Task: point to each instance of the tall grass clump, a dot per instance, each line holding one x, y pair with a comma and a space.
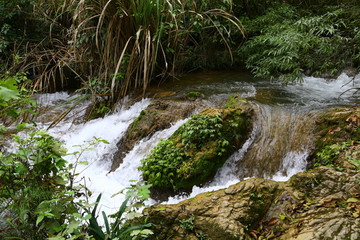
109, 48
122, 45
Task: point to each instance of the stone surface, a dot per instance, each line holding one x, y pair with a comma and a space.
258, 207
322, 203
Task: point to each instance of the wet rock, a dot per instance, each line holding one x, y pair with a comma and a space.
322, 203
217, 215
258, 207
157, 116
193, 154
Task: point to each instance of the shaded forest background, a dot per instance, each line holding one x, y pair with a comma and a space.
110, 48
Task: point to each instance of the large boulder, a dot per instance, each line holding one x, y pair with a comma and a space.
193, 154
322, 203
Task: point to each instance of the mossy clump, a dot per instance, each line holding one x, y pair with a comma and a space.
337, 131
193, 95
192, 155
136, 121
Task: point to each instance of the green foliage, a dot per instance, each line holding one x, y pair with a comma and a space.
40, 199
12, 20
234, 101
193, 95
161, 167
98, 109
328, 154
169, 164
129, 210
22, 23
187, 224
200, 129
14, 99
33, 187
354, 162
287, 41
195, 151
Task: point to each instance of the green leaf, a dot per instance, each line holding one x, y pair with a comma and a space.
39, 219
8, 90
353, 200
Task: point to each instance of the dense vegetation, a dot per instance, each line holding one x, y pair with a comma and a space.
110, 48
289, 41
196, 150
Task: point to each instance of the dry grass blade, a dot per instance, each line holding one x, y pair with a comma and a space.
118, 67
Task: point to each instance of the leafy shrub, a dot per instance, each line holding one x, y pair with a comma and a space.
14, 99
196, 150
287, 42
129, 210
39, 198
33, 187
329, 153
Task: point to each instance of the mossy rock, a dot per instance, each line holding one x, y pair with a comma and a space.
157, 116
193, 95
338, 131
193, 154
338, 125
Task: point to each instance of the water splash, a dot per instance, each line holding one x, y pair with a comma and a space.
227, 173
281, 132
110, 128
293, 163
319, 90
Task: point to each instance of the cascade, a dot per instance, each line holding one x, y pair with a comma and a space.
277, 148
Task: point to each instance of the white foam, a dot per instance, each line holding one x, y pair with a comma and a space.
110, 128
320, 89
51, 99
293, 163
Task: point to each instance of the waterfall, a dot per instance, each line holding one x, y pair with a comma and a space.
277, 147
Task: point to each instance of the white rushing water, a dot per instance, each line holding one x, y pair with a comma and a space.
95, 175
112, 127
319, 90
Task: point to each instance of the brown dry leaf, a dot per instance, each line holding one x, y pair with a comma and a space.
253, 234
354, 119
335, 130
273, 221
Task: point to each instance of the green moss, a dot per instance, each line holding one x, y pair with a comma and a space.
137, 120
305, 181
196, 150
193, 95
260, 199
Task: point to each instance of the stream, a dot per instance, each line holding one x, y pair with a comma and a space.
277, 147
